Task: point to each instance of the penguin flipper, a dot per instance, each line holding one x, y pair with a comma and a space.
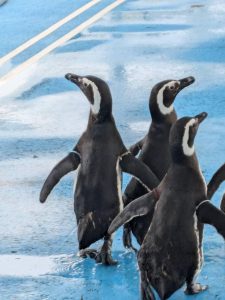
215, 181
66, 165
130, 164
134, 149
222, 204
136, 208
209, 214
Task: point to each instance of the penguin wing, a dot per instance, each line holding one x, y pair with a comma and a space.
136, 208
66, 165
134, 149
209, 214
215, 181
139, 170
222, 204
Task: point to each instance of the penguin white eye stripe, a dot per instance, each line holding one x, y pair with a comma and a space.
163, 109
96, 94
186, 148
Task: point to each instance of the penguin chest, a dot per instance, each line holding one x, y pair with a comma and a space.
156, 155
98, 187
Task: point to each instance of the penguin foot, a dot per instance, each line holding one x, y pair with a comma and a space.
127, 240
146, 293
92, 253
105, 258
104, 255
195, 288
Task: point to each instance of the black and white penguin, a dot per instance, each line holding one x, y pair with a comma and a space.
170, 254
222, 204
154, 148
101, 157
216, 181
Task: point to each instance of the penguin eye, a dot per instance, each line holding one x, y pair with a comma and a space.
172, 88
85, 84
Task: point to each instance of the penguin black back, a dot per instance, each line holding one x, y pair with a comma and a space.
170, 253
101, 157
154, 148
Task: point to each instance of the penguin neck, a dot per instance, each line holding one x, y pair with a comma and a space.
162, 123
179, 158
162, 118
99, 118
160, 112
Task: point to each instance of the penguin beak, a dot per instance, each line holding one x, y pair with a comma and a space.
186, 82
73, 78
201, 117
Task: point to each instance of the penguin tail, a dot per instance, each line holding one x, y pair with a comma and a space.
90, 230
84, 225
165, 289
146, 290
147, 293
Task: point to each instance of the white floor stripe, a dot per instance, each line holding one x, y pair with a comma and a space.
46, 32
61, 41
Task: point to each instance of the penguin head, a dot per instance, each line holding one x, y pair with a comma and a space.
163, 95
182, 135
97, 92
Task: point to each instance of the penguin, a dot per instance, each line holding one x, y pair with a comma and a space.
216, 181
154, 148
214, 184
222, 204
101, 157
170, 254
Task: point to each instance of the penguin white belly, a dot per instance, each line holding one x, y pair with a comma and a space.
200, 257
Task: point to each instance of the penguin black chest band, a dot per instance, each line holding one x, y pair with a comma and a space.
197, 207
124, 154
77, 153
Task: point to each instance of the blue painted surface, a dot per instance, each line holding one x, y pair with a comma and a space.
42, 116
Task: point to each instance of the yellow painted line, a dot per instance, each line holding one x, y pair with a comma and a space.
61, 41
48, 31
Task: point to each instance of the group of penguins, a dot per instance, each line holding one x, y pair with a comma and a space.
166, 203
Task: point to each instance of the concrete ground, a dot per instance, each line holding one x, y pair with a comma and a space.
42, 116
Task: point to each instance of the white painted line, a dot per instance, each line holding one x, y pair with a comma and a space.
62, 40
48, 31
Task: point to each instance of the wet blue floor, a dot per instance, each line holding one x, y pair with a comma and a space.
42, 116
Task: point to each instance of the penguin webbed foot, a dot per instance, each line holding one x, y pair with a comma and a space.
127, 239
195, 288
105, 258
85, 253
103, 255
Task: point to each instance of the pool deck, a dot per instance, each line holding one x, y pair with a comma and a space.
42, 116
